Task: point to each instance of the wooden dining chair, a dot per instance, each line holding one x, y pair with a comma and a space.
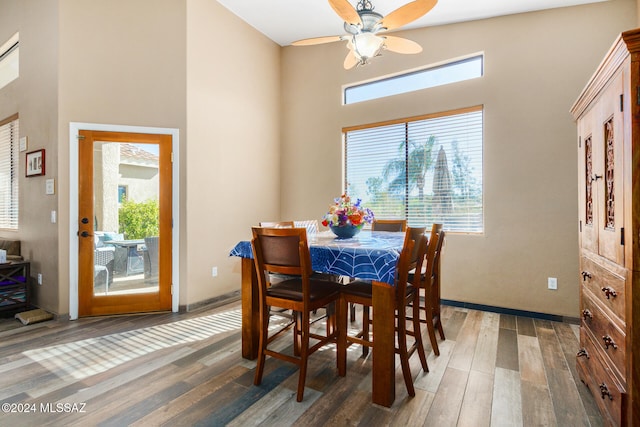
393, 225
312, 227
430, 286
389, 225
285, 251
360, 292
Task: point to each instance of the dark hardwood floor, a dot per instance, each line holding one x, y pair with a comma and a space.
186, 370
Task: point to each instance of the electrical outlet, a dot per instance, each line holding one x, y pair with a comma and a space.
39, 278
552, 283
214, 271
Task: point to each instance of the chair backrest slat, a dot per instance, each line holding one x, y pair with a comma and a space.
389, 225
433, 253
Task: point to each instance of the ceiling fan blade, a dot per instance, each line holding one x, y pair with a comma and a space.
400, 45
350, 61
345, 11
317, 40
407, 13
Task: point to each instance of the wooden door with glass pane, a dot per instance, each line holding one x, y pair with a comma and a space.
124, 222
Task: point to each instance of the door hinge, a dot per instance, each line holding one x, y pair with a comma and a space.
621, 102
579, 142
622, 236
80, 136
580, 225
172, 289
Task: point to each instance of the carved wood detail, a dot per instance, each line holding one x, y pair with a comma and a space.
588, 161
610, 207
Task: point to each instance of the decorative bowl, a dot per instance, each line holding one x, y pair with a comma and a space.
346, 231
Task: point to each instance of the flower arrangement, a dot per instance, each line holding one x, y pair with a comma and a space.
345, 212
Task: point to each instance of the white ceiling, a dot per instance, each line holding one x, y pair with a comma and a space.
285, 21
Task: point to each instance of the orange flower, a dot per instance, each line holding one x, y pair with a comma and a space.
355, 218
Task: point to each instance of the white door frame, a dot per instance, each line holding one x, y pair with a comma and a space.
74, 129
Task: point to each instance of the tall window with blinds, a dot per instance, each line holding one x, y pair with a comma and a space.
425, 169
9, 134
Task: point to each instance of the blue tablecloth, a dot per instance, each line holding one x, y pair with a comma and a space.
368, 256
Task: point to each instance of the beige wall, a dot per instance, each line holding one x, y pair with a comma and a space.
122, 63
34, 96
535, 66
233, 153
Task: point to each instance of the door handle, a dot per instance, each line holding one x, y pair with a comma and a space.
85, 234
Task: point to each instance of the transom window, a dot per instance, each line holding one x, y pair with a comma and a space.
425, 169
9, 60
451, 72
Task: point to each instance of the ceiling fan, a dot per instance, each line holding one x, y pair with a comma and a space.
363, 26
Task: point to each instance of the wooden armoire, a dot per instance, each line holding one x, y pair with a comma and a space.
608, 119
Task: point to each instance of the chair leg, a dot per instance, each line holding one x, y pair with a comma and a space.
365, 329
440, 330
262, 343
296, 333
417, 332
352, 312
341, 341
404, 354
304, 355
331, 318
431, 330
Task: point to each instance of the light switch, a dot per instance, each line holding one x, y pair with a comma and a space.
50, 186
23, 143
54, 217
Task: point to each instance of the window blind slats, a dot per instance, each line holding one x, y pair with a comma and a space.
425, 171
9, 175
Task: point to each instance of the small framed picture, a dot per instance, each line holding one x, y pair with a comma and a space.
35, 163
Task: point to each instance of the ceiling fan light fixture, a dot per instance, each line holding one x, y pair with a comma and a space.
362, 25
366, 46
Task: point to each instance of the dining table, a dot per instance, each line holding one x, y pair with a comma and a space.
368, 256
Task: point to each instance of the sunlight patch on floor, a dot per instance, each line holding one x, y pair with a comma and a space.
84, 358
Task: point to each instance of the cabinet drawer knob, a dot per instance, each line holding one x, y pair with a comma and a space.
604, 391
586, 314
582, 353
608, 342
585, 275
608, 292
